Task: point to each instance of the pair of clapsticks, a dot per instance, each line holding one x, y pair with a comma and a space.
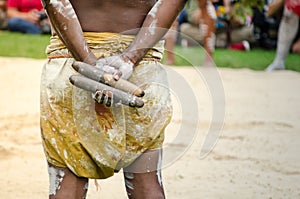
95, 80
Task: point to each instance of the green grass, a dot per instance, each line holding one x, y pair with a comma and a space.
33, 46
255, 59
23, 45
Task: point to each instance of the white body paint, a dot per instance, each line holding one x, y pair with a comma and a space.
129, 184
211, 11
66, 11
152, 27
56, 177
57, 4
153, 11
53, 141
159, 163
203, 29
66, 154
211, 42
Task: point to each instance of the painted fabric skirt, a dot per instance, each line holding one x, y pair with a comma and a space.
90, 139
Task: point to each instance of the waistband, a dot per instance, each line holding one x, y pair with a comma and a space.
102, 45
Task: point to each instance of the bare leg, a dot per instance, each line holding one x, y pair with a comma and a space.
64, 184
296, 47
143, 177
287, 32
170, 43
207, 28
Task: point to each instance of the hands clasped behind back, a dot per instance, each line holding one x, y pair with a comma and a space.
117, 66
107, 80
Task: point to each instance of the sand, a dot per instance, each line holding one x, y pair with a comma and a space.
256, 154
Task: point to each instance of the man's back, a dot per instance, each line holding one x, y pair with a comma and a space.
113, 15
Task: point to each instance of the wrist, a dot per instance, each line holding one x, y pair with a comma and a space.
126, 58
90, 59
134, 56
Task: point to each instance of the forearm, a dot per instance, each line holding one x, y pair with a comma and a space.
12, 12
227, 5
156, 24
67, 27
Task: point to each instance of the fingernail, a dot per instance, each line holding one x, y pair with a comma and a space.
116, 77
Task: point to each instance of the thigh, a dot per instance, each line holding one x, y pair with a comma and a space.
143, 177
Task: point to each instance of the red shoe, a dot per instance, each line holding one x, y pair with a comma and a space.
242, 46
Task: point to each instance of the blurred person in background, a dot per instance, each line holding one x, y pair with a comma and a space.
3, 19
27, 16
287, 32
170, 41
200, 25
296, 46
233, 23
237, 31
207, 28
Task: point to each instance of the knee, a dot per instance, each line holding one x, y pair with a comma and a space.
14, 22
21, 25
144, 185
289, 15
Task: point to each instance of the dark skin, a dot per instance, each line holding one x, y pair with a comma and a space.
112, 16
125, 15
118, 16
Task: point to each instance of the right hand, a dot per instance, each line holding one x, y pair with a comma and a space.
33, 16
117, 66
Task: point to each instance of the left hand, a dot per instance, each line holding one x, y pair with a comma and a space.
125, 66
103, 97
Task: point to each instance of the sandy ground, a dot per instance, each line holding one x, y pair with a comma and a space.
256, 155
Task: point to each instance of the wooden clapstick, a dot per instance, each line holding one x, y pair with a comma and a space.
119, 96
99, 75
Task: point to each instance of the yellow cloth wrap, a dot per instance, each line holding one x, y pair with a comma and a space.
90, 139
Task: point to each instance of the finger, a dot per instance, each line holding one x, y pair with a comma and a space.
119, 95
109, 99
117, 75
103, 97
124, 85
99, 75
97, 96
89, 71
108, 69
114, 61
